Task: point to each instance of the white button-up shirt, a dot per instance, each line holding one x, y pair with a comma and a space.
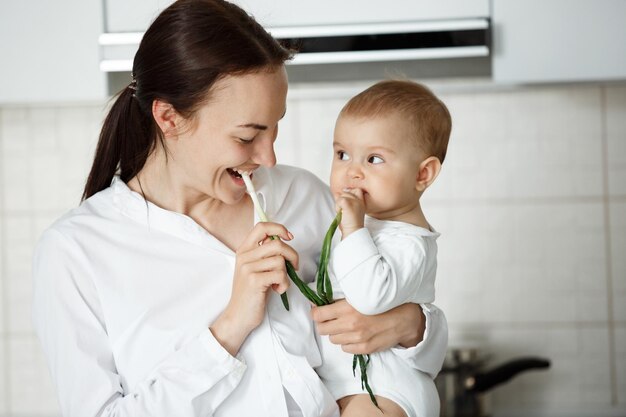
124, 293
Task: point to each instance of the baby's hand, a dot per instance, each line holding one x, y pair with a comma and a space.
351, 202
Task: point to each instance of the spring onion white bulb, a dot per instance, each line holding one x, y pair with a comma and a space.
255, 198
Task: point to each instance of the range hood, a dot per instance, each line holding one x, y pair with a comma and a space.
346, 43
347, 40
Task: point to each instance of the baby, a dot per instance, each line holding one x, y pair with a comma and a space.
390, 141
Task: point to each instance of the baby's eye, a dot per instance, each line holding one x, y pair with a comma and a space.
375, 159
342, 156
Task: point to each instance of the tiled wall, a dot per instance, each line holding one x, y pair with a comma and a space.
531, 204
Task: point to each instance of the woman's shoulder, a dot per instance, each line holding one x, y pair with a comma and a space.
289, 188
92, 213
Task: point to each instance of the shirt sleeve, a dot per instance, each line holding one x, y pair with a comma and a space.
375, 279
69, 322
428, 355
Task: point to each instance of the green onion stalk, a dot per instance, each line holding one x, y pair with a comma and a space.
324, 294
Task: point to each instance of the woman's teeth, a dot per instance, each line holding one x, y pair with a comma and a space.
241, 172
237, 173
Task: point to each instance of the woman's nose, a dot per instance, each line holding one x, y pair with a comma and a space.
264, 153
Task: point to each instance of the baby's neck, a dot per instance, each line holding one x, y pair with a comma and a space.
414, 216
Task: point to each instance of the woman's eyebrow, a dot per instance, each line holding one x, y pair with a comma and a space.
254, 126
259, 126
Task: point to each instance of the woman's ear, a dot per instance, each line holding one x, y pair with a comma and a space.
166, 117
428, 171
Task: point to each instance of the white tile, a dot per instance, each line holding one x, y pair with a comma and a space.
616, 138
521, 262
536, 142
3, 278
55, 163
3, 374
14, 131
31, 391
620, 365
618, 260
317, 123
78, 130
595, 367
72, 128
16, 178
42, 130
46, 185
288, 140
19, 251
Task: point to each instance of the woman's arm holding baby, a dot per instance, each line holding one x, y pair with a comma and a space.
416, 332
361, 334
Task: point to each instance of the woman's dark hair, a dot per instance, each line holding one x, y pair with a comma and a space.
190, 46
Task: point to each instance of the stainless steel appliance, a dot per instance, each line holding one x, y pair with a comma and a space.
464, 385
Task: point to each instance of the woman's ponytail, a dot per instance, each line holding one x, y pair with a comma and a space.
124, 144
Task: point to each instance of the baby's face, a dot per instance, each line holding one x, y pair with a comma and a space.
377, 156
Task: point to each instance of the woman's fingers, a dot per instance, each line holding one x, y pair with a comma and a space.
261, 232
268, 272
268, 249
355, 332
260, 244
276, 280
331, 311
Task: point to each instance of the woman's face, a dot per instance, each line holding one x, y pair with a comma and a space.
235, 130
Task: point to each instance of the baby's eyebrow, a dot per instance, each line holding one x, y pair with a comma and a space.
383, 148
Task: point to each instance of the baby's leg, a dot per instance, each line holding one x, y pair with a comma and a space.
360, 405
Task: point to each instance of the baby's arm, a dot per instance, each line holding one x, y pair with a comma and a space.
375, 278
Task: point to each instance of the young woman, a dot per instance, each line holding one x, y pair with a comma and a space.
158, 295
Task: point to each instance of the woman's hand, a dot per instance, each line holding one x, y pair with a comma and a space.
361, 334
259, 268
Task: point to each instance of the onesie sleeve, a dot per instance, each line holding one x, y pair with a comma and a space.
374, 278
68, 319
428, 355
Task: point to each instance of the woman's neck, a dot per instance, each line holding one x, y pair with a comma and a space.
159, 183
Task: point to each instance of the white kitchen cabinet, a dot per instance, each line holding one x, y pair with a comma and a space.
132, 16
49, 51
538, 41
135, 16
285, 13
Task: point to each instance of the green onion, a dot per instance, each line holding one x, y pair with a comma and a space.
325, 291
324, 295
263, 217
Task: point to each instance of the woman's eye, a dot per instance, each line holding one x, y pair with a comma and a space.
375, 160
246, 140
342, 156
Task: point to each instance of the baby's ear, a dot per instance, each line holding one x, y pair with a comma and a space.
428, 171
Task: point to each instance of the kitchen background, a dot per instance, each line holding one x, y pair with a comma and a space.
531, 204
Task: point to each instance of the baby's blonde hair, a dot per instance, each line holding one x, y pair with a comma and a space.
428, 116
